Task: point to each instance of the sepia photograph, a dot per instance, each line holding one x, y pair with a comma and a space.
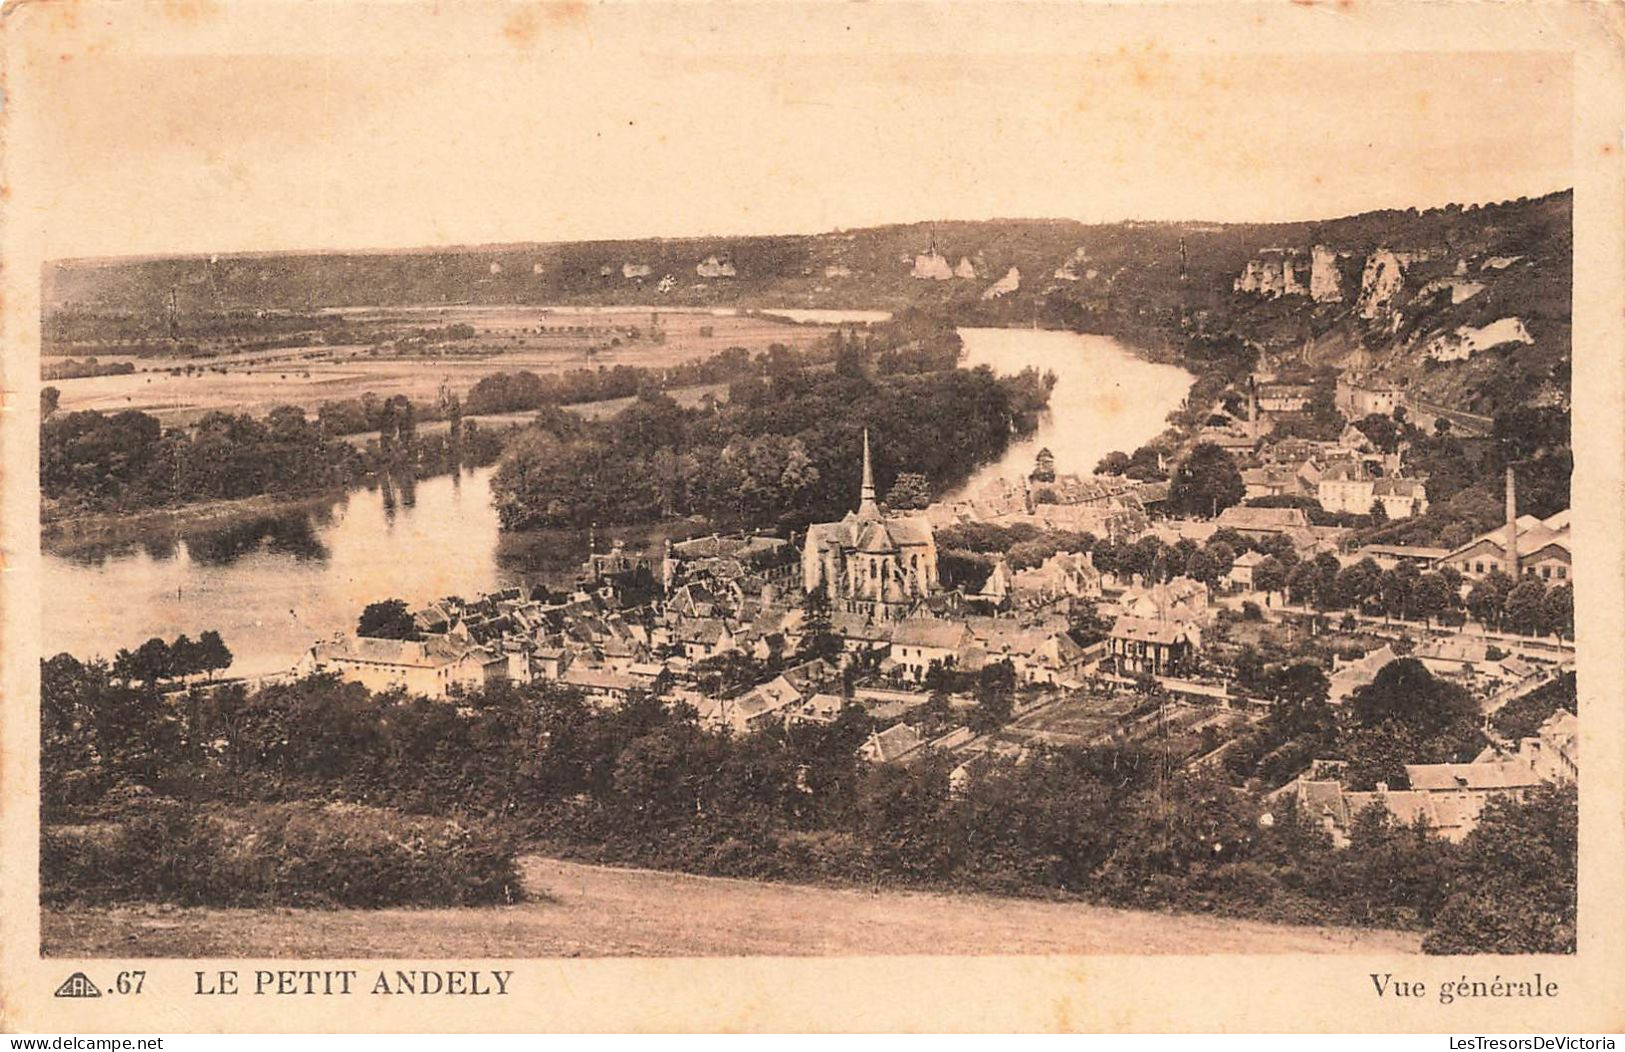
574, 489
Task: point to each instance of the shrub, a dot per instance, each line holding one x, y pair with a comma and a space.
281, 855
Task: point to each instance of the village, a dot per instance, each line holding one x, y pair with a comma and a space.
1115, 621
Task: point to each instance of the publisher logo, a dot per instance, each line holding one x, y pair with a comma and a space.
78, 985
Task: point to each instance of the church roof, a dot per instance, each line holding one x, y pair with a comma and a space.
873, 537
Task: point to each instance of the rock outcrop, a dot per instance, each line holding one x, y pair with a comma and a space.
931, 266
1273, 273
1381, 281
716, 267
1004, 286
1070, 270
1466, 341
1325, 280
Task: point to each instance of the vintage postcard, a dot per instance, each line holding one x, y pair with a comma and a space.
635, 516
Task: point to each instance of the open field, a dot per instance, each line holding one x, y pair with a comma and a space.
507, 339
599, 911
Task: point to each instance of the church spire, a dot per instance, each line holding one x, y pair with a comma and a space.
866, 498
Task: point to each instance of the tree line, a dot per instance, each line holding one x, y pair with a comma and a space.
127, 461
646, 783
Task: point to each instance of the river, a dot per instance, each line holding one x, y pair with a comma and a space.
272, 587
1105, 397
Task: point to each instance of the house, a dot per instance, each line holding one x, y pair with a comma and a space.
1353, 440
891, 745
1057, 661
1554, 751
1284, 398
1458, 656
859, 635
1346, 486
1280, 480
1359, 396
1349, 677
1400, 498
1241, 571
751, 559
1182, 599
551, 661
1262, 523
1140, 645
432, 668
820, 708
1449, 797
919, 643
702, 637
1511, 777
1064, 575
999, 584
767, 703
602, 685
1236, 439
1037, 652
1335, 809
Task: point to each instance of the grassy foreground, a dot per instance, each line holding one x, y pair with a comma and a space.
601, 911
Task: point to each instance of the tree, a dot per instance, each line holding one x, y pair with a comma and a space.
1220, 555
186, 657
1300, 583
1206, 482
1526, 607
1114, 463
1404, 692
1326, 568
995, 687
818, 637
387, 619
1383, 431
49, 399
1560, 610
151, 662
1397, 588
1043, 467
1487, 601
1517, 878
1432, 596
1249, 667
1084, 623
910, 492
1269, 575
213, 655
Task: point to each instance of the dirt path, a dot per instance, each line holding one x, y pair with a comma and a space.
598, 911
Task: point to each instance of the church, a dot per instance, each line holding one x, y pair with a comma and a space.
871, 563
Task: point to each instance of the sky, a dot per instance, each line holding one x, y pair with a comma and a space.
391, 126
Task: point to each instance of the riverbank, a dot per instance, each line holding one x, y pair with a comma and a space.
604, 911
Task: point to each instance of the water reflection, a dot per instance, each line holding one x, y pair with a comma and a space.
293, 534
272, 585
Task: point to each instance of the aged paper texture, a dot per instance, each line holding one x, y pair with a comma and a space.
968, 517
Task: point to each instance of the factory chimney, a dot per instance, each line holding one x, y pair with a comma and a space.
1512, 524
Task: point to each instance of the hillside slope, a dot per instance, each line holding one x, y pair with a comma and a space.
600, 911
1380, 293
